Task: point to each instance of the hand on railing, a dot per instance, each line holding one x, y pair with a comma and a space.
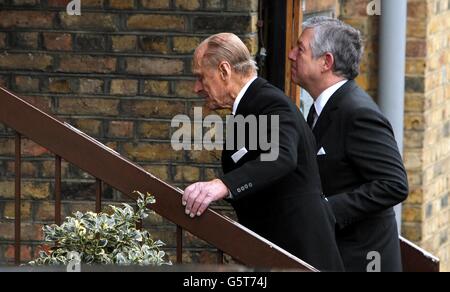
199, 196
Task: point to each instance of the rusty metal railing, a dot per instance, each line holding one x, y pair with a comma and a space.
415, 259
107, 166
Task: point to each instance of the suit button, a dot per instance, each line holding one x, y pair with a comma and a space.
238, 190
242, 189
246, 187
250, 185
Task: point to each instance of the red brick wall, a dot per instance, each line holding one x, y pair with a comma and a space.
120, 72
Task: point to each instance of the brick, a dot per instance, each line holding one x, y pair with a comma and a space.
210, 157
155, 4
6, 189
252, 45
88, 42
355, 8
87, 64
58, 85
120, 129
28, 169
415, 66
83, 207
3, 81
48, 169
214, 4
82, 106
29, 61
412, 213
191, 241
413, 159
412, 231
189, 5
185, 89
32, 149
6, 231
415, 84
32, 232
153, 109
26, 84
127, 43
414, 139
121, 4
27, 40
9, 212
242, 5
25, 253
91, 86
35, 191
90, 21
416, 48
45, 212
42, 103
154, 130
160, 171
154, 44
156, 88
187, 174
236, 23
416, 28
417, 9
25, 2
26, 19
157, 22
57, 3
124, 87
185, 45
152, 152
94, 3
58, 41
2, 40
154, 66
211, 173
89, 126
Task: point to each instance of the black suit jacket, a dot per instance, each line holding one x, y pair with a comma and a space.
282, 200
363, 176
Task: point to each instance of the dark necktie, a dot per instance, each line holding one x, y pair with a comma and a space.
312, 116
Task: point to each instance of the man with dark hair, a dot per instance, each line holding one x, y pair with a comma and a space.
361, 168
280, 198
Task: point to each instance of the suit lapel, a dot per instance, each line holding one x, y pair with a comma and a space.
330, 110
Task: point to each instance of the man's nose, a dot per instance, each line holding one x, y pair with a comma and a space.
293, 55
198, 87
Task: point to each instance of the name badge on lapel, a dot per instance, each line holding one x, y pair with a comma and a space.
239, 155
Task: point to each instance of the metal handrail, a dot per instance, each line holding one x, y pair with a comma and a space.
110, 167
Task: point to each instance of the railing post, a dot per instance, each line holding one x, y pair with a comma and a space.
219, 257
58, 190
18, 178
179, 245
98, 199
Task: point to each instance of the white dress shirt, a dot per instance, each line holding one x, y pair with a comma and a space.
241, 95
323, 99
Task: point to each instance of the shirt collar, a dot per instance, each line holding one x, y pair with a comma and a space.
241, 94
323, 99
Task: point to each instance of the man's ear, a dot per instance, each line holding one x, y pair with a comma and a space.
328, 62
225, 70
